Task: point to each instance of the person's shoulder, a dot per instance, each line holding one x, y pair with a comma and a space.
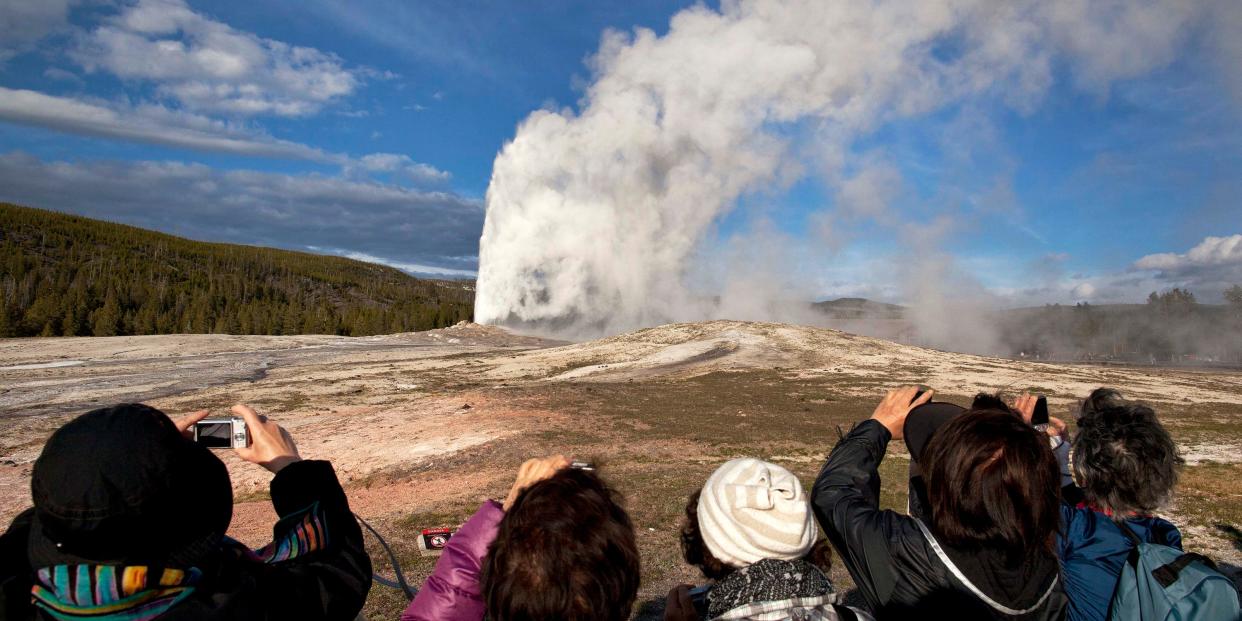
1071, 512
912, 544
895, 526
1162, 531
1079, 518
1162, 524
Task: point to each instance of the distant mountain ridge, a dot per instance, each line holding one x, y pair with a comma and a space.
858, 307
66, 275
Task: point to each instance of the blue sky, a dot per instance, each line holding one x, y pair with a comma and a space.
369, 129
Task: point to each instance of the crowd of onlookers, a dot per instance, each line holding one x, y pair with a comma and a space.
1006, 519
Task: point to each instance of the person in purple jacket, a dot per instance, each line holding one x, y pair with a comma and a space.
560, 547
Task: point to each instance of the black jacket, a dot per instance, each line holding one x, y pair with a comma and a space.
316, 567
893, 561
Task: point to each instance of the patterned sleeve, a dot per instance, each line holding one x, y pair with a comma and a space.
318, 567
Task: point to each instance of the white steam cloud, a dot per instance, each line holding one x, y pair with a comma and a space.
596, 217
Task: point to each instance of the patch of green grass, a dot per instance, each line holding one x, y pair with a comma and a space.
1209, 494
1195, 423
260, 495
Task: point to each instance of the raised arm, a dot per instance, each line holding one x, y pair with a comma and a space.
453, 590
317, 565
846, 497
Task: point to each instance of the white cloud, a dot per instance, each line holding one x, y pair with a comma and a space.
1083, 291
156, 124
1211, 252
23, 23
403, 167
208, 65
60, 75
400, 226
1206, 269
149, 123
413, 268
868, 192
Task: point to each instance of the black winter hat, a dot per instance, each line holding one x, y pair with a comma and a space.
122, 485
922, 423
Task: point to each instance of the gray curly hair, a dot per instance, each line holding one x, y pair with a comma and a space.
1123, 458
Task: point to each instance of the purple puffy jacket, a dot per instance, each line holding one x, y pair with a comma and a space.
452, 591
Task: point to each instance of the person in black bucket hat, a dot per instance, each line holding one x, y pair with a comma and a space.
981, 549
918, 430
129, 522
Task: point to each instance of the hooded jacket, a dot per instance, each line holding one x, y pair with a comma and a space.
129, 524
896, 562
1093, 550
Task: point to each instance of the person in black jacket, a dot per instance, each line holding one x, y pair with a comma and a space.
129, 522
986, 549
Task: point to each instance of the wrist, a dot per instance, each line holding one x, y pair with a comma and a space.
276, 465
888, 435
891, 426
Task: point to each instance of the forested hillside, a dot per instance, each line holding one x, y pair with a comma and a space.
63, 275
1171, 327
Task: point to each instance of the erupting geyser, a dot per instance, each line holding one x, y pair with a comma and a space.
594, 215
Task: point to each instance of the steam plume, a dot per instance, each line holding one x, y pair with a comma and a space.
596, 216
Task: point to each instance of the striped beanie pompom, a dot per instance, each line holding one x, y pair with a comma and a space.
750, 510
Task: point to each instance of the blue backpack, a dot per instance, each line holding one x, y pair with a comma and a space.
1162, 583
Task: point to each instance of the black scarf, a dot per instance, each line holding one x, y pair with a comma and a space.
766, 581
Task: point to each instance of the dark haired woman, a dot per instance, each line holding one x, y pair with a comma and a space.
453, 591
986, 549
750, 530
561, 547
1125, 466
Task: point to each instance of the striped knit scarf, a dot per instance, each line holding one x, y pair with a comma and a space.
304, 533
111, 592
138, 593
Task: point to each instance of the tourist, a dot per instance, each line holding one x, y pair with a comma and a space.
129, 522
986, 547
1125, 466
560, 546
751, 532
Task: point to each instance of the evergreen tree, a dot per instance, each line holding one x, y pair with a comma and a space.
1233, 295
106, 321
76, 276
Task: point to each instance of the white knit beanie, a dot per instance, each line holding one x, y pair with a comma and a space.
750, 510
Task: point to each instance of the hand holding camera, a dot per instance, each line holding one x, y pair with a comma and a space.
255, 438
270, 445
213, 432
896, 406
532, 472
186, 423
1034, 410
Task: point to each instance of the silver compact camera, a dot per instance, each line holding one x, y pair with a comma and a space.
222, 433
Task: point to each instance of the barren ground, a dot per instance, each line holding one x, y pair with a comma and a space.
421, 427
